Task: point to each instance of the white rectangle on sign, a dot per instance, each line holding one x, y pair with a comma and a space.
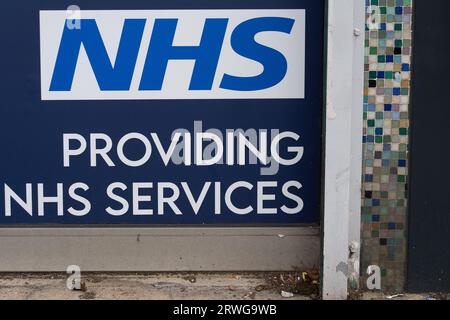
172, 54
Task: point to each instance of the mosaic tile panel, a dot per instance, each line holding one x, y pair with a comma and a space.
385, 140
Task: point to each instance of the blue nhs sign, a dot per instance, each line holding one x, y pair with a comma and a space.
173, 54
163, 113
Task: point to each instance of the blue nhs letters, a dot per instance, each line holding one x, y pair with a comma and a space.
118, 76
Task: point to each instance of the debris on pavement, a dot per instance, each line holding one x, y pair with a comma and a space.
190, 278
260, 288
285, 294
304, 283
394, 296
251, 295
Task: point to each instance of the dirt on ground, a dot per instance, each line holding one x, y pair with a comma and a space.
305, 283
159, 286
298, 285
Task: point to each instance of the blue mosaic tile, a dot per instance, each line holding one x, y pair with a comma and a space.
386, 128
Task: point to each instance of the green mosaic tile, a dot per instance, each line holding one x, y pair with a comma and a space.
386, 130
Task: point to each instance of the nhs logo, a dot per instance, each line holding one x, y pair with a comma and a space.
173, 54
